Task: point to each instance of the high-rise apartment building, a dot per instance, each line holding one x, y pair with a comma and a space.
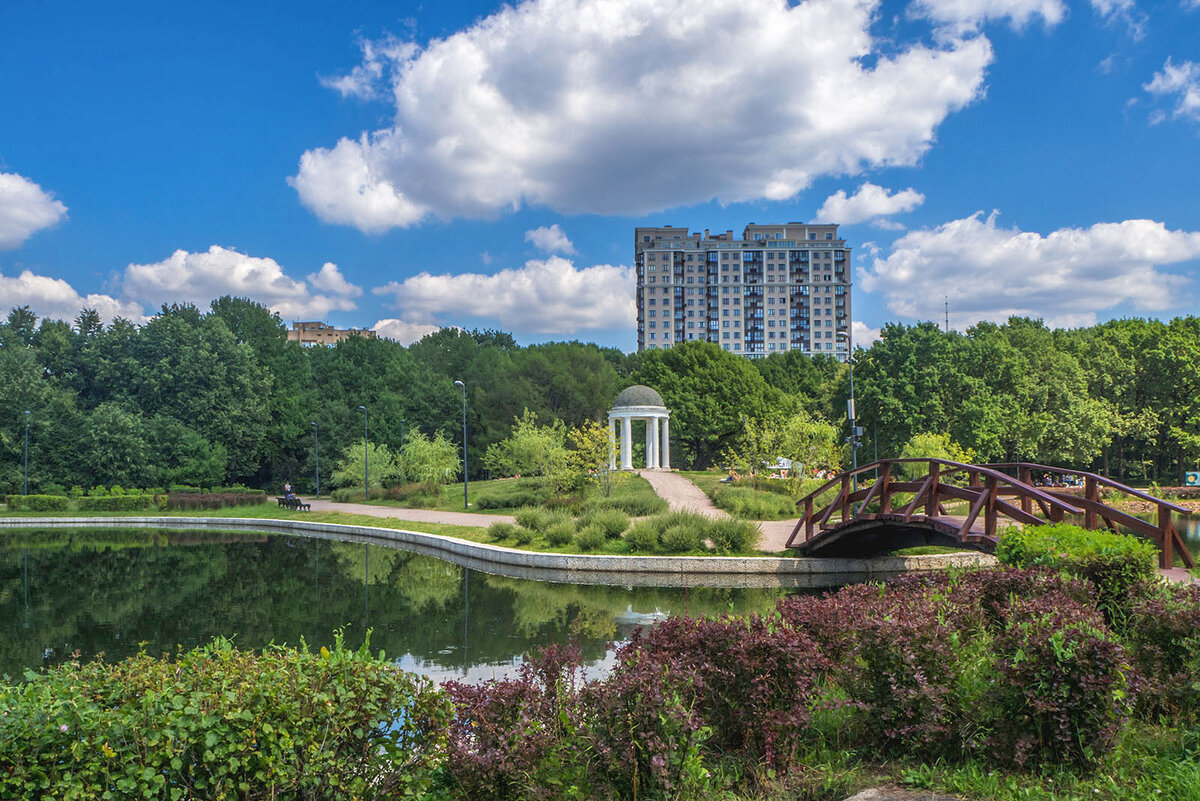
778, 288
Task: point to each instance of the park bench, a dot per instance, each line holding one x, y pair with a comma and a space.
295, 504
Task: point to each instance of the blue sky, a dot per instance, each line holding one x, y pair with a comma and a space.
407, 166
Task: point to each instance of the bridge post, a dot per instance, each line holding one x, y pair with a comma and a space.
989, 525
931, 505
847, 506
808, 519
1092, 493
1025, 476
1166, 553
885, 498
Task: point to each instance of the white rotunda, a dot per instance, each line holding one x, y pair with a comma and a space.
640, 403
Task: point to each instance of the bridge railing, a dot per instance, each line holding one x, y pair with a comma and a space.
989, 492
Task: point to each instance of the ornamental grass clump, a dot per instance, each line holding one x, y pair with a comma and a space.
219, 722
559, 534
589, 538
642, 537
497, 532
613, 522
734, 536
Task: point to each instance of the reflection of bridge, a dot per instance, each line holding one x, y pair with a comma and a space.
906, 506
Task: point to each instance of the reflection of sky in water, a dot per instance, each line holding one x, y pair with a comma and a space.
107, 590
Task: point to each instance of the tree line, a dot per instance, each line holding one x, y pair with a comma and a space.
219, 396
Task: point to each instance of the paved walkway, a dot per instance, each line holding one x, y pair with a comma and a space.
681, 494
684, 496
415, 515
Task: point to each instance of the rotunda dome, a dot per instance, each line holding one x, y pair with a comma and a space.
638, 395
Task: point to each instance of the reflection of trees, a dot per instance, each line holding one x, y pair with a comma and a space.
108, 590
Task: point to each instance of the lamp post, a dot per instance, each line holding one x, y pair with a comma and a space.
403, 431
366, 456
463, 387
317, 454
26, 453
855, 432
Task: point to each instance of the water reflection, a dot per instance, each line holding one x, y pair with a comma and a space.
108, 590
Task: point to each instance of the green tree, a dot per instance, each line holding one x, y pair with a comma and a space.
114, 447
379, 466
532, 450
431, 460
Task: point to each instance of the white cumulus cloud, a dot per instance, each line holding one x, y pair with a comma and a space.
550, 296
870, 202
25, 209
629, 106
331, 280
1181, 82
1065, 277
550, 239
57, 299
957, 17
403, 331
186, 277
369, 78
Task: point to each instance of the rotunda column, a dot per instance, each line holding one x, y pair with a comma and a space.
612, 442
652, 456
666, 444
626, 443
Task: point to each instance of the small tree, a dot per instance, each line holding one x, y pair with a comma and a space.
933, 446
592, 445
381, 461
431, 460
532, 450
755, 450
809, 443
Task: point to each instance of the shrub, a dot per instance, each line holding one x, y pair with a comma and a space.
412, 494
501, 531
560, 534
516, 738
1115, 563
118, 503
642, 537
37, 503
1163, 638
753, 680
633, 505
523, 536
76, 492
512, 500
214, 500
754, 504
1063, 694
539, 520
734, 536
612, 521
355, 494
589, 538
680, 538
903, 670
218, 722
644, 730
54, 489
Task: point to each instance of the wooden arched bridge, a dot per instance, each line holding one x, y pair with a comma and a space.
905, 504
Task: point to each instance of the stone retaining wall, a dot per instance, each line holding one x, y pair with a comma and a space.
733, 571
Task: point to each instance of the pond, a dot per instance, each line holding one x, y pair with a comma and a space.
109, 591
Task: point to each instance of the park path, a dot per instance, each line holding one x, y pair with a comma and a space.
682, 495
415, 515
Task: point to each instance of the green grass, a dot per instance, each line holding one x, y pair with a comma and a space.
927, 550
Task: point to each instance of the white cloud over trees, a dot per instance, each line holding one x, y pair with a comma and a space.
1066, 277
550, 296
57, 299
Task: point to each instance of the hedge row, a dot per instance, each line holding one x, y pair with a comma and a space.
120, 503
37, 503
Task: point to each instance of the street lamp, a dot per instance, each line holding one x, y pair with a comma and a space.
463, 387
366, 456
26, 453
403, 432
855, 432
317, 454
